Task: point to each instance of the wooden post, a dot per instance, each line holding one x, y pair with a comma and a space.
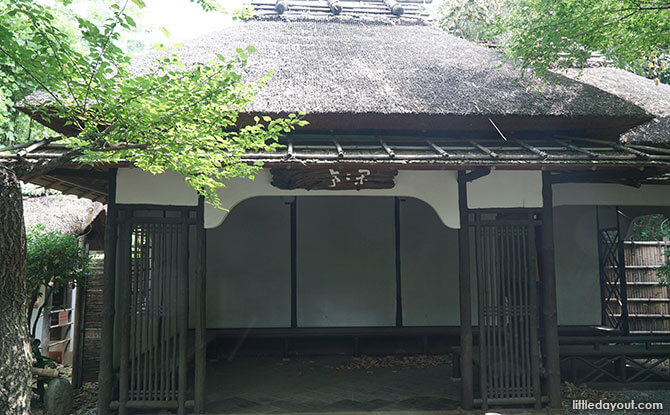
549, 295
124, 315
182, 316
398, 276
105, 376
294, 263
464, 295
201, 307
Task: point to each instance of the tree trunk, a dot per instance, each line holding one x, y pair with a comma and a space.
15, 354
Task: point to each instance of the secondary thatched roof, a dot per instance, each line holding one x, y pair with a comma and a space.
646, 93
64, 213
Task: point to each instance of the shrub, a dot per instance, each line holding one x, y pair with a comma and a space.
54, 261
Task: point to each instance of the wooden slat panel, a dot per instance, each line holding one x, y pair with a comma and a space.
509, 368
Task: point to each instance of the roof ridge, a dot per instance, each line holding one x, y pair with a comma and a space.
391, 9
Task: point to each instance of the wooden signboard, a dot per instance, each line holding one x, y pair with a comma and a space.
334, 178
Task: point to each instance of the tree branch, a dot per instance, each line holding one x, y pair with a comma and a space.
102, 50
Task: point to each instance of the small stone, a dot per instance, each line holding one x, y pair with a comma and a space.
58, 397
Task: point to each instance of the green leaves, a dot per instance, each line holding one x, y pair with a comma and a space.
548, 34
54, 260
184, 118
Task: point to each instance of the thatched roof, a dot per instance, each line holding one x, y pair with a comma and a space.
342, 65
646, 93
64, 213
363, 74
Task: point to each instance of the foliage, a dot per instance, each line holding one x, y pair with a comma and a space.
469, 19
649, 228
244, 13
664, 271
172, 118
54, 261
653, 228
633, 34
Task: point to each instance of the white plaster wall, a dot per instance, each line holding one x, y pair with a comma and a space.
610, 194
506, 189
437, 188
577, 273
345, 261
138, 186
429, 267
249, 267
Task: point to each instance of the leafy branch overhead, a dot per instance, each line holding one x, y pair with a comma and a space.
633, 34
179, 118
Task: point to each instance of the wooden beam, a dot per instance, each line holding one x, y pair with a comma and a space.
438, 149
338, 146
86, 174
486, 150
532, 149
548, 280
467, 402
387, 148
475, 174
289, 150
394, 7
335, 6
105, 377
281, 6
200, 307
631, 176
591, 154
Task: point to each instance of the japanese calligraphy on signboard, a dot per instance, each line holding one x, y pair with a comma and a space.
334, 178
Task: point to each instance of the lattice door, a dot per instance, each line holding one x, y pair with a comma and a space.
613, 289
154, 311
508, 323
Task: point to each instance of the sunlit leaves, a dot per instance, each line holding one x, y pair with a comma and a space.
630, 33
184, 118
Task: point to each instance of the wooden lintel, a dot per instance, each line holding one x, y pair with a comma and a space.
76, 182
475, 174
626, 176
89, 174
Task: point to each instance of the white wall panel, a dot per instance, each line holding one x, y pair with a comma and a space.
345, 261
506, 189
429, 267
577, 274
249, 268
